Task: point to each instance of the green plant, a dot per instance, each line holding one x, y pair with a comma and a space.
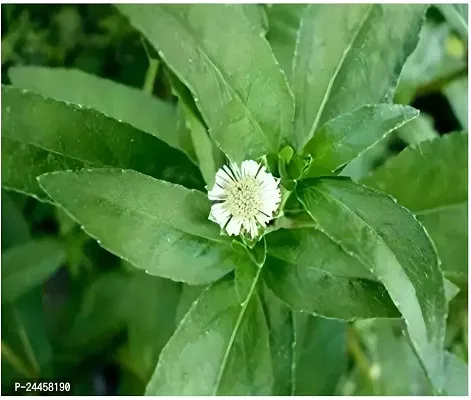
305, 91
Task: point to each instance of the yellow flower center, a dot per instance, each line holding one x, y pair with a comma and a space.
244, 198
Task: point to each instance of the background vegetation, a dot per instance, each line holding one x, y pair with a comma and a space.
73, 311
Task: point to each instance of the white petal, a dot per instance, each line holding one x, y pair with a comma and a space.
267, 180
270, 205
233, 227
217, 193
230, 172
271, 194
246, 224
263, 170
211, 217
223, 178
254, 229
219, 214
236, 171
262, 219
249, 168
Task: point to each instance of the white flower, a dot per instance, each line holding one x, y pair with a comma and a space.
246, 198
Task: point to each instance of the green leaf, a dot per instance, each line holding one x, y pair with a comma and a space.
335, 71
318, 57
320, 354
209, 157
419, 129
448, 228
309, 248
155, 225
249, 262
151, 320
220, 348
369, 159
43, 135
26, 349
457, 16
230, 69
257, 17
438, 194
319, 293
388, 240
12, 222
122, 103
457, 94
429, 63
22, 163
29, 265
189, 295
116, 301
103, 312
283, 22
387, 347
451, 290
300, 271
456, 376
344, 138
280, 322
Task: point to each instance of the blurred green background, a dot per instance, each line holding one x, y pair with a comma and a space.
84, 316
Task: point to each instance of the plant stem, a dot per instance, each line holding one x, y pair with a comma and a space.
14, 360
151, 74
355, 350
27, 347
437, 84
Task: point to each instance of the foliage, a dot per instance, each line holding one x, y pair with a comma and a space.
114, 123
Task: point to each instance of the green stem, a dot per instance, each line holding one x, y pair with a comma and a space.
235, 331
151, 74
437, 84
359, 356
14, 360
27, 347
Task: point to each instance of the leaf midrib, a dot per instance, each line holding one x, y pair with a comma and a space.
345, 138
201, 50
345, 207
90, 112
35, 145
338, 67
142, 212
323, 271
428, 339
458, 16
93, 103
235, 331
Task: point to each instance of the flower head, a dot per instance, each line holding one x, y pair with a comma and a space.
245, 198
